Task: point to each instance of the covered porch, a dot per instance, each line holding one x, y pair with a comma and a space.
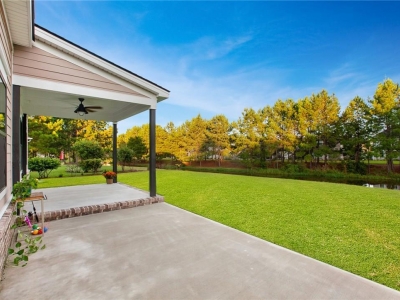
53, 76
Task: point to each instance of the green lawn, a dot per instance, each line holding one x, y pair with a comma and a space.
61, 171
351, 227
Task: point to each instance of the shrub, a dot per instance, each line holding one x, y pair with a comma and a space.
88, 150
43, 165
91, 165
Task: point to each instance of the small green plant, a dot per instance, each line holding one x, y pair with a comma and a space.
73, 169
28, 246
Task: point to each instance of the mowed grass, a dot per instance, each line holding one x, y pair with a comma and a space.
354, 228
62, 171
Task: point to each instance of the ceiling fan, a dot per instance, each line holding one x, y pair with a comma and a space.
82, 110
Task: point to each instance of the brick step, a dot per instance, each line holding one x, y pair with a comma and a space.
95, 209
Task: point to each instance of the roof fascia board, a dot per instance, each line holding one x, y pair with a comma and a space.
101, 63
30, 21
81, 63
4, 66
9, 37
80, 90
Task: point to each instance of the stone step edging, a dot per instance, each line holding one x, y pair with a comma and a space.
97, 208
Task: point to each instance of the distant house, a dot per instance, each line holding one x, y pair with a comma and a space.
41, 73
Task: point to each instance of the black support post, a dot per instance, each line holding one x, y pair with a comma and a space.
24, 144
16, 137
115, 159
152, 165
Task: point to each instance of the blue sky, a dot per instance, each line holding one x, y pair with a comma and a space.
220, 57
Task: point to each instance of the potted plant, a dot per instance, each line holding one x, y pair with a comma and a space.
23, 189
109, 176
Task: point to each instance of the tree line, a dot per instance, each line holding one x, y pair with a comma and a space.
312, 130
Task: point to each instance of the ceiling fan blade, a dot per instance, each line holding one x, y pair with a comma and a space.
89, 110
94, 107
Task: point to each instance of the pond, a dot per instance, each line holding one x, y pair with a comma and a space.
383, 186
360, 182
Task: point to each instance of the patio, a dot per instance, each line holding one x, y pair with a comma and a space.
163, 252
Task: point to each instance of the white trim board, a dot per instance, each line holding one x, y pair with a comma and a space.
42, 84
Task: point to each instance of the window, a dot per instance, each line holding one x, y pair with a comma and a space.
3, 136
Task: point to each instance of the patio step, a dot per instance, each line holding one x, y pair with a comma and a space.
96, 209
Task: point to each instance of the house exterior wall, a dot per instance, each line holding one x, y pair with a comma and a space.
6, 208
37, 63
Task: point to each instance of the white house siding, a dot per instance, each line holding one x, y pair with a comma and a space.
5, 196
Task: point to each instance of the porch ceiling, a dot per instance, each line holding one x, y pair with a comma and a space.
62, 105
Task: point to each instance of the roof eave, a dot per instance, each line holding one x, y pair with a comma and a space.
20, 12
56, 41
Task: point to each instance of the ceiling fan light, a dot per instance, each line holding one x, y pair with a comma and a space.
81, 110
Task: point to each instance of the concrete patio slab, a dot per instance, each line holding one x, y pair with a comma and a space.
163, 252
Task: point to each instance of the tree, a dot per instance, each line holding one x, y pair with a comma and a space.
317, 116
88, 150
218, 136
137, 146
125, 156
44, 132
51, 135
196, 136
248, 137
354, 129
281, 129
385, 117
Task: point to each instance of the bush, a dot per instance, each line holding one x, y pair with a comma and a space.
91, 165
43, 165
88, 150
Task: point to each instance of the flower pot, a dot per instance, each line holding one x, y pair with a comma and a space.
109, 180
